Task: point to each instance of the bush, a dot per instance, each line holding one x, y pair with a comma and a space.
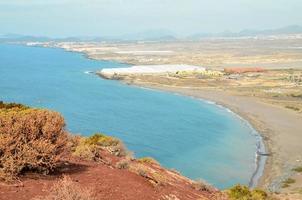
86, 151
201, 185
30, 140
142, 172
123, 164
239, 192
89, 148
298, 169
148, 160
292, 108
296, 95
287, 182
66, 189
102, 140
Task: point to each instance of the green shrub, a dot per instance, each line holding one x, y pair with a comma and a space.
258, 194
102, 140
30, 140
298, 169
241, 192
89, 148
293, 108
86, 151
296, 95
148, 160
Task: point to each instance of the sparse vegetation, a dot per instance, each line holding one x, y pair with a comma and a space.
66, 189
287, 182
89, 148
142, 172
123, 164
148, 160
100, 139
298, 169
10, 106
86, 151
297, 95
201, 185
240, 192
292, 108
35, 140
30, 140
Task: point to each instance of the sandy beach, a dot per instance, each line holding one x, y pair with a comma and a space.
280, 129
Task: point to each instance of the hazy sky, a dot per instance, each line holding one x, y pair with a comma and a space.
117, 17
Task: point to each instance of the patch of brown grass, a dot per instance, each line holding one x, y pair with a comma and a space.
30, 140
66, 189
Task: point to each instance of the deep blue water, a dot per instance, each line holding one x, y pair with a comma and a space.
199, 139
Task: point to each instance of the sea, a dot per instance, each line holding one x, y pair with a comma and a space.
200, 139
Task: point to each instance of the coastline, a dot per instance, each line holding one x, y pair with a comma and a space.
277, 165
260, 161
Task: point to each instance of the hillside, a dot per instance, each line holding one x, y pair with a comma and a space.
39, 159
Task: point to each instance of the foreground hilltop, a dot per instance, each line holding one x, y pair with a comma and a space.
39, 159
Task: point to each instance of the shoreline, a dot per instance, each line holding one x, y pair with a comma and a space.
257, 172
280, 162
277, 164
260, 161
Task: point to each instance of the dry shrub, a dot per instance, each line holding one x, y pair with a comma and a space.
89, 148
30, 140
123, 164
201, 185
154, 176
66, 189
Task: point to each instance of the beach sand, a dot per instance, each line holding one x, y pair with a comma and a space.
280, 128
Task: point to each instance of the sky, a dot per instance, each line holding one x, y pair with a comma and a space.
64, 18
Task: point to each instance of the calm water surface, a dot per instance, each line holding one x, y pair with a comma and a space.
199, 139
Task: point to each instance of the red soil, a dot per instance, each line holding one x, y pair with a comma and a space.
111, 183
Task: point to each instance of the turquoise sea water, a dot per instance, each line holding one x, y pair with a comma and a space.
199, 139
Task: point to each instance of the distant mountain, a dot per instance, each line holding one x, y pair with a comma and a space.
156, 35
21, 38
294, 29
151, 35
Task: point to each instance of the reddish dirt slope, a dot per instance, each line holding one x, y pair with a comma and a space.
109, 182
